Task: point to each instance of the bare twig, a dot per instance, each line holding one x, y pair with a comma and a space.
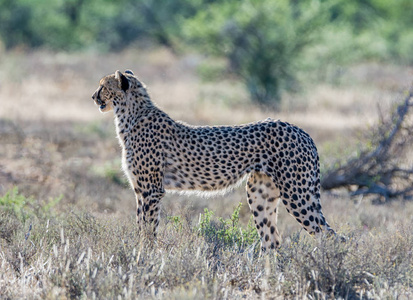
380, 170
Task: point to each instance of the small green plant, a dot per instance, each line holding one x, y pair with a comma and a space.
15, 203
47, 207
227, 231
24, 207
176, 222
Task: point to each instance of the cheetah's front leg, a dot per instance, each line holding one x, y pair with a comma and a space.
148, 210
145, 173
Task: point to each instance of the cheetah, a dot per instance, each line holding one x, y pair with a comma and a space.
279, 160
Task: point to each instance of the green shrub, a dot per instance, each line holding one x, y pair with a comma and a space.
227, 232
262, 41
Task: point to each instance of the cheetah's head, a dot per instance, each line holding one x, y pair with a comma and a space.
112, 89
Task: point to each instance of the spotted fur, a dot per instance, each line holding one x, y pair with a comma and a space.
279, 160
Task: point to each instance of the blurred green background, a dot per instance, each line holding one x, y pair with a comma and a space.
267, 44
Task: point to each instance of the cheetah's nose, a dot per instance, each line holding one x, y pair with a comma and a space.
96, 98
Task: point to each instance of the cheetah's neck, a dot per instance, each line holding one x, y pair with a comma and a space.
131, 110
130, 113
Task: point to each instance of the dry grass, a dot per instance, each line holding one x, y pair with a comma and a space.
55, 143
76, 255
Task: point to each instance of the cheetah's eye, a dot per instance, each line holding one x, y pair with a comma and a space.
104, 92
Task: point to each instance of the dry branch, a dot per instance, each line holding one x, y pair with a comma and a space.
383, 169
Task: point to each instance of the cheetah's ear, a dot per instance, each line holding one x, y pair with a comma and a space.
123, 81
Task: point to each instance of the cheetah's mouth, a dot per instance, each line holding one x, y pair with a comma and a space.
101, 104
97, 99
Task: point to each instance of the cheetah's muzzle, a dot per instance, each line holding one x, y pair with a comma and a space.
97, 100
280, 160
100, 103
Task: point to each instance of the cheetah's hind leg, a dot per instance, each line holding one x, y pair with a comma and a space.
303, 203
263, 198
